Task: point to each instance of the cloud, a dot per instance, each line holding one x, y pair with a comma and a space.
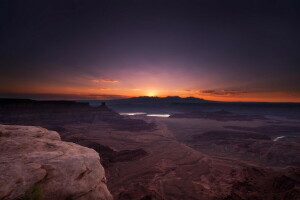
104, 88
224, 92
221, 93
191, 91
108, 80
104, 80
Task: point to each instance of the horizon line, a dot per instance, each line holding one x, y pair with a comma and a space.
207, 101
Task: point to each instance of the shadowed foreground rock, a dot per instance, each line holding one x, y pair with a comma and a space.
33, 157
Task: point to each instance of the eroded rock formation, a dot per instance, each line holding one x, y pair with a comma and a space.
34, 157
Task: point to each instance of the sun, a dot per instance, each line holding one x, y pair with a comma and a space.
151, 93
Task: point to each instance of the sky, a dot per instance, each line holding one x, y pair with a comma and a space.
221, 50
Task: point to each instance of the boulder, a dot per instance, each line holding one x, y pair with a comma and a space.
35, 162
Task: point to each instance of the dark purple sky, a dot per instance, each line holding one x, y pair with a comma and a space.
246, 50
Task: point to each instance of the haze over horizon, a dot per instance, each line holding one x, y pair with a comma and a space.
97, 49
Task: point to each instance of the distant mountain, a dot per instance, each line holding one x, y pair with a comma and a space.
149, 100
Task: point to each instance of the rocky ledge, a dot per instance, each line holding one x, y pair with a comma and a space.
35, 163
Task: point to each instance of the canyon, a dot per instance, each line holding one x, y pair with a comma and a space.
176, 158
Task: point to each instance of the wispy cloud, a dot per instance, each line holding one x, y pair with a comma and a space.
104, 80
103, 88
95, 81
224, 92
108, 80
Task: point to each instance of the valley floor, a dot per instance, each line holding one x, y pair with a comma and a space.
179, 166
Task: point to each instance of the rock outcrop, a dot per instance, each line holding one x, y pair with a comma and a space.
34, 159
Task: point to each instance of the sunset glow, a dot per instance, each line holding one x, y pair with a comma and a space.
136, 54
151, 93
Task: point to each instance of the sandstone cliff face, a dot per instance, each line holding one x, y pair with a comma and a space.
35, 157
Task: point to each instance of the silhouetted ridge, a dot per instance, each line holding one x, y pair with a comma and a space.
150, 100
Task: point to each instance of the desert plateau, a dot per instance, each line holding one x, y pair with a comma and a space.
215, 155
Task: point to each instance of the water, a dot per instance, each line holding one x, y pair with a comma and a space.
148, 115
158, 115
133, 113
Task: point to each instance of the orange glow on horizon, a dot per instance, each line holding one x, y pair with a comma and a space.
114, 91
151, 93
255, 97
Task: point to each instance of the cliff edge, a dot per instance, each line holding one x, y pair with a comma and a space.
35, 162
